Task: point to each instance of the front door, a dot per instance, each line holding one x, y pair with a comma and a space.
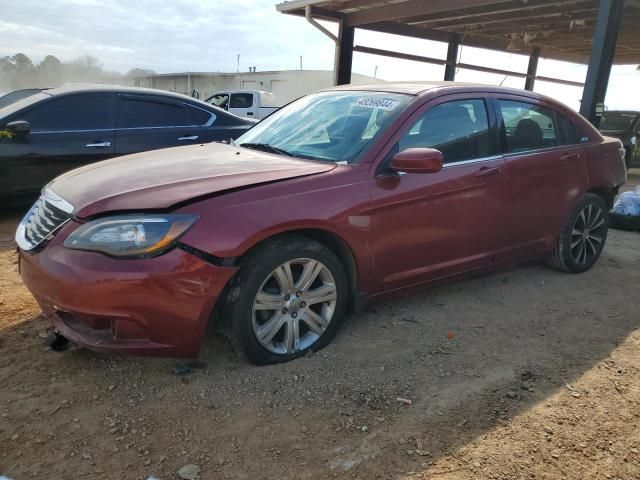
241, 104
66, 132
547, 172
429, 226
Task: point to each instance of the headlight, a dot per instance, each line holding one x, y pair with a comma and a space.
131, 235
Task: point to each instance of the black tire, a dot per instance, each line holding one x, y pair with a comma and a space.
255, 270
566, 257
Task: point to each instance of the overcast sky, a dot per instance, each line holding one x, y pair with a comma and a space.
207, 35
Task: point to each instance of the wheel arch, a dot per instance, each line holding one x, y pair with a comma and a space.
608, 195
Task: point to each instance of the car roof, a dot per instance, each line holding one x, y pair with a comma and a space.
417, 87
99, 88
71, 88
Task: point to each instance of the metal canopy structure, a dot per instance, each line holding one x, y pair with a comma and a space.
597, 32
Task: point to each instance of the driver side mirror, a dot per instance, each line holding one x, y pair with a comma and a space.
19, 127
418, 160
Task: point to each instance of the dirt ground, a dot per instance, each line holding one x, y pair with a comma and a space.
525, 373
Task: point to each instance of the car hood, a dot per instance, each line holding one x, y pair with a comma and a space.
163, 178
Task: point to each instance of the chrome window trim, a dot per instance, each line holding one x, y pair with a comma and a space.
473, 160
154, 128
39, 132
539, 150
209, 122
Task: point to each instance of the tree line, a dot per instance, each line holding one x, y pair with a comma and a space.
19, 71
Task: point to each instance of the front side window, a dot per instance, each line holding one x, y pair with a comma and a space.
68, 113
528, 127
333, 126
241, 100
142, 113
459, 129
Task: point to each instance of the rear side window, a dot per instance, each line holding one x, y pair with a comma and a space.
528, 127
459, 129
77, 112
141, 113
241, 100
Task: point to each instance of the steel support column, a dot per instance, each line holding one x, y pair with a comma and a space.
452, 59
344, 55
605, 36
532, 69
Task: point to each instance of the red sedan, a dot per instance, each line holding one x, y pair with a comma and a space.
341, 197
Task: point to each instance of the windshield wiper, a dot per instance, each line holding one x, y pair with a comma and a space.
265, 147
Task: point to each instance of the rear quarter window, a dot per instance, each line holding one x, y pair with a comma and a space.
199, 116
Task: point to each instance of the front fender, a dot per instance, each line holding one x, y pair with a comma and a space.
233, 224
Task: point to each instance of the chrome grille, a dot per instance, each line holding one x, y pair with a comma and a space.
48, 214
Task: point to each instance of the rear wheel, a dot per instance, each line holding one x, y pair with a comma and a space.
583, 236
289, 297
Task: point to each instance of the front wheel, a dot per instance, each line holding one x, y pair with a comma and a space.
289, 297
583, 236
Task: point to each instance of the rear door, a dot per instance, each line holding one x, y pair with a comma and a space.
546, 167
66, 132
242, 104
150, 122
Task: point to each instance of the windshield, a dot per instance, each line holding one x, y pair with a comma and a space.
331, 126
617, 121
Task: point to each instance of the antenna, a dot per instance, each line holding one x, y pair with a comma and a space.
375, 72
300, 62
238, 63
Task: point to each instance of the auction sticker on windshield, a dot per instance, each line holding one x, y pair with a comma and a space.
380, 103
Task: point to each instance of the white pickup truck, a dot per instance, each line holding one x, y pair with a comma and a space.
254, 104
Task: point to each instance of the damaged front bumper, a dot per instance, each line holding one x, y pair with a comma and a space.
155, 306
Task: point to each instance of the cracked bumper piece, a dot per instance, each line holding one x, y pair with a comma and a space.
156, 306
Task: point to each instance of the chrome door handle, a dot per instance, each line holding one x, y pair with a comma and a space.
98, 145
188, 137
486, 171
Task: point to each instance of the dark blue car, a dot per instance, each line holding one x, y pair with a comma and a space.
59, 129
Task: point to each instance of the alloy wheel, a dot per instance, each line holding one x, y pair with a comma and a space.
587, 235
294, 306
